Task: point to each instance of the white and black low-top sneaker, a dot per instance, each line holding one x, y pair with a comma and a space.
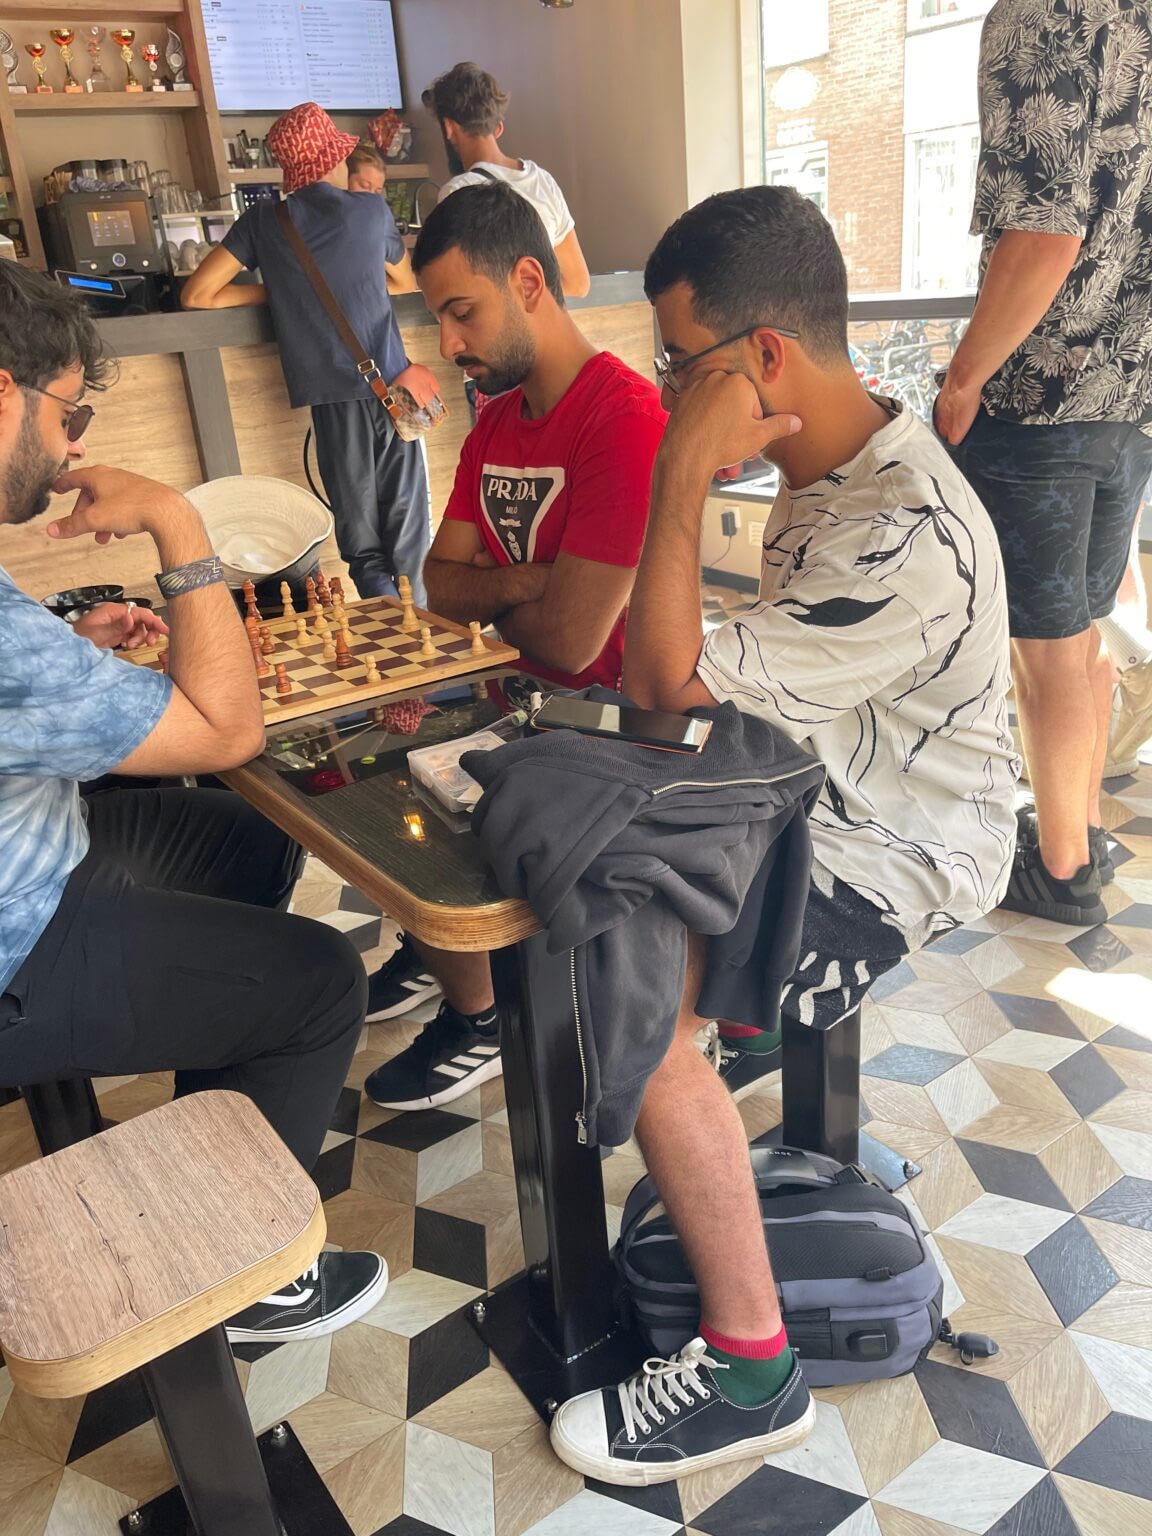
400, 985
450, 1056
740, 1070
672, 1418
339, 1289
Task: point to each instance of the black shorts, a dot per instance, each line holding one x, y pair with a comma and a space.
1063, 500
846, 945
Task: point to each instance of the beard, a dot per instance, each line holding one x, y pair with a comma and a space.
27, 479
508, 367
455, 164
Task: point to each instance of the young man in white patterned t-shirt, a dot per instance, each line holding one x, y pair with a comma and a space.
880, 642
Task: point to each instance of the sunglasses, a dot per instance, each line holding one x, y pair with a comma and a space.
667, 370
79, 416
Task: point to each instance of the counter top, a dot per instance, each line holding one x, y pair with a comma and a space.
207, 330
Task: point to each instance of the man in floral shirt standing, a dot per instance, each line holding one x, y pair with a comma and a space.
1048, 402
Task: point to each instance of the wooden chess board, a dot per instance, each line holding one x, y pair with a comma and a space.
375, 625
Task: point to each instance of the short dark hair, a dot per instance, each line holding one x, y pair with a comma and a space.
493, 227
756, 255
365, 154
469, 96
45, 330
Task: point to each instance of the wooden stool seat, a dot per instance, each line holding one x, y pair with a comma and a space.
124, 1246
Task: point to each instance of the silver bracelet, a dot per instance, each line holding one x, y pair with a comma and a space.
186, 578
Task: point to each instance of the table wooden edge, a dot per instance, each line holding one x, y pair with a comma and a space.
74, 1375
491, 925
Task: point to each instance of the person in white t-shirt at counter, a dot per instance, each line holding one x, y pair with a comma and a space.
470, 106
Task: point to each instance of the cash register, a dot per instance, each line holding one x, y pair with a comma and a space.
104, 246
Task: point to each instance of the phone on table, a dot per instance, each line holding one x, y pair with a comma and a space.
622, 722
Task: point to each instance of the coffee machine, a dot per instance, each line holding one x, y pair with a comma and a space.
104, 245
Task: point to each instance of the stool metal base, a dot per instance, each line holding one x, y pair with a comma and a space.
305, 1506
505, 1320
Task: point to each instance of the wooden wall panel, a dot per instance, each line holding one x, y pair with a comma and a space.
142, 424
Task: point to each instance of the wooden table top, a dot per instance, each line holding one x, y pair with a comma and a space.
381, 835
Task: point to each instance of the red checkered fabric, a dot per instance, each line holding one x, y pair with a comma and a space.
404, 716
308, 144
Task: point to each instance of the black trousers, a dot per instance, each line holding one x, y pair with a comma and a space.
378, 487
167, 953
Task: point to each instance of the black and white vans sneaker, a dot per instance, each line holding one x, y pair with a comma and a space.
449, 1057
336, 1291
400, 985
672, 1418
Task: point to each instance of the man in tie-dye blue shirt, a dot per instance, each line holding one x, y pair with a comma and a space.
142, 928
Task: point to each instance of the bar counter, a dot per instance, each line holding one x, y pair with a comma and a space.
201, 394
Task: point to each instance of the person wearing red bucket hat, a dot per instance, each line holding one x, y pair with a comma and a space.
376, 482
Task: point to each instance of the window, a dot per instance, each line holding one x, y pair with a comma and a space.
794, 30
934, 13
940, 179
871, 111
805, 168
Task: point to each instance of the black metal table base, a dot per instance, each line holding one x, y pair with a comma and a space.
505, 1320
305, 1506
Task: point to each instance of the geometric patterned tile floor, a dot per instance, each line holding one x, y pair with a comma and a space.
1013, 1061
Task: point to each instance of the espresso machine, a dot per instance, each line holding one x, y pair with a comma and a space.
104, 244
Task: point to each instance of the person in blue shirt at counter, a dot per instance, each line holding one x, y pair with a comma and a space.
376, 482
139, 929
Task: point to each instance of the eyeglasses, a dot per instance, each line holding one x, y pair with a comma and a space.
667, 370
79, 416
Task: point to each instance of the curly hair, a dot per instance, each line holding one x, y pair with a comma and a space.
470, 96
45, 330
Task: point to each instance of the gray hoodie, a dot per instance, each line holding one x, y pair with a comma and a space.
620, 850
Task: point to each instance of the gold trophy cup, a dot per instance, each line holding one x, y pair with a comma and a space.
37, 52
151, 56
64, 37
124, 37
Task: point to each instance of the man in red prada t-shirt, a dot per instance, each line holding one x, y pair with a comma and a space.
541, 536
545, 524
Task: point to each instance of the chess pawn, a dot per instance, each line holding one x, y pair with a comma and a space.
373, 674
289, 612
267, 644
478, 648
283, 683
344, 657
301, 630
426, 646
329, 651
321, 626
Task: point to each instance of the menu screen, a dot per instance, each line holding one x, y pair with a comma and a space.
267, 55
111, 226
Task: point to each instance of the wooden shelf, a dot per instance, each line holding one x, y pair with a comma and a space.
274, 175
108, 101
87, 10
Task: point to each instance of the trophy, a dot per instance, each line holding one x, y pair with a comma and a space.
124, 37
174, 58
64, 37
11, 62
151, 56
97, 80
37, 52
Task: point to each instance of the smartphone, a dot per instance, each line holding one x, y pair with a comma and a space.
621, 722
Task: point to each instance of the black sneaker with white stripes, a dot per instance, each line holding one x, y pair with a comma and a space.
400, 985
452, 1054
1032, 888
336, 1291
672, 1419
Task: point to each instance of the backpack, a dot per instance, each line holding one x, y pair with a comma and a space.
860, 1293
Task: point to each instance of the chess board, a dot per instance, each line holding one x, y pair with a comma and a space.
375, 625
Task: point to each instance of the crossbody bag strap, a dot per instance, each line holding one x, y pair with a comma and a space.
365, 365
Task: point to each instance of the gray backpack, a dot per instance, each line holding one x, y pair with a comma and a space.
860, 1293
